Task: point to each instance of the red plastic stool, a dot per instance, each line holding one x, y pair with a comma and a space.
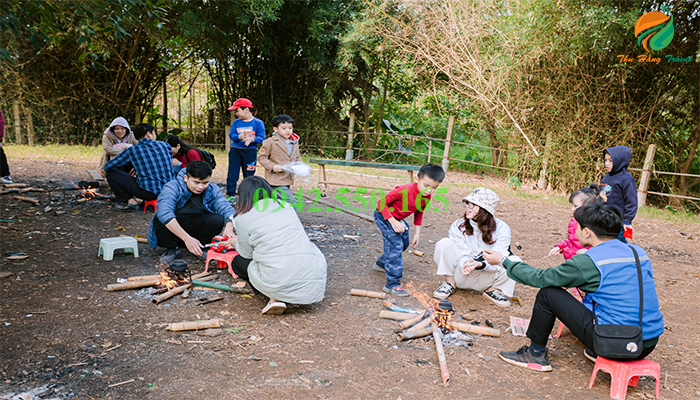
153, 203
223, 260
626, 373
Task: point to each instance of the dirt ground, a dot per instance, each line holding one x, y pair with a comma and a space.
62, 335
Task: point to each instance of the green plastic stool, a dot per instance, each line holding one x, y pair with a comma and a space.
108, 245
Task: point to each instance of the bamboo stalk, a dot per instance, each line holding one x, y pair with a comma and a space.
218, 286
408, 322
421, 324
27, 199
469, 328
441, 355
134, 284
167, 295
401, 336
194, 325
395, 315
15, 185
367, 293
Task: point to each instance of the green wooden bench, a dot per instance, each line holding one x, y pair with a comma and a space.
361, 164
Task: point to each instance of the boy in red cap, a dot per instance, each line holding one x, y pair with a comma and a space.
246, 132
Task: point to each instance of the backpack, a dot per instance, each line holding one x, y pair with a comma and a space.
207, 157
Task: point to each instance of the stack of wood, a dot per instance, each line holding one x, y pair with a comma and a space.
19, 188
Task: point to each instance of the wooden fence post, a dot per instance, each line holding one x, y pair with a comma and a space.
17, 121
646, 176
227, 129
445, 159
430, 149
349, 152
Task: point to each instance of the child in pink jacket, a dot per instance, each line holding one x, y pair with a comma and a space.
571, 246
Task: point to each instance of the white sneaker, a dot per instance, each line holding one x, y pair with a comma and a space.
274, 308
497, 297
444, 291
6, 179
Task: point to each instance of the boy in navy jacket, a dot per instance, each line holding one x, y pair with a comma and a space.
618, 186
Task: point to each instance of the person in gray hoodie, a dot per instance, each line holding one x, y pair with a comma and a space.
115, 139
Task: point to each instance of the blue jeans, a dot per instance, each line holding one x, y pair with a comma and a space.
394, 244
239, 160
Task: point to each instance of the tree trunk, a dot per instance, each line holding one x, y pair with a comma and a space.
493, 137
17, 121
165, 105
30, 126
542, 182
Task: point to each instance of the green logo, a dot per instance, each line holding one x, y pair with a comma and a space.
654, 30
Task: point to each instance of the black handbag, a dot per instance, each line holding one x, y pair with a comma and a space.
620, 341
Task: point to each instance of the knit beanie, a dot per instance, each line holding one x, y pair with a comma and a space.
484, 198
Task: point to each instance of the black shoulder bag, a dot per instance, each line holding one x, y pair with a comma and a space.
620, 341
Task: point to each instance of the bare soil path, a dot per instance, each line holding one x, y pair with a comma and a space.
62, 332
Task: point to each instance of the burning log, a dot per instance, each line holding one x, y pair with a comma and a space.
413, 334
421, 324
408, 322
171, 293
367, 293
395, 315
468, 328
134, 284
194, 325
441, 355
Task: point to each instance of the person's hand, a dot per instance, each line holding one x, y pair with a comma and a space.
176, 163
555, 250
228, 230
416, 239
232, 240
277, 168
492, 257
194, 246
398, 226
241, 136
132, 172
469, 266
581, 251
249, 140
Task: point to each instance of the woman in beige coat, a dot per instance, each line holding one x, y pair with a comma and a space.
275, 255
115, 139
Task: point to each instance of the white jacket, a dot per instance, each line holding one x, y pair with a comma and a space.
472, 245
286, 266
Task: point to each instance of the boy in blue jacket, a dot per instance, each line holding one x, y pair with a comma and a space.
619, 188
190, 213
246, 133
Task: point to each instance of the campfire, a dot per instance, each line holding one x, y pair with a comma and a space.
435, 320
177, 274
89, 191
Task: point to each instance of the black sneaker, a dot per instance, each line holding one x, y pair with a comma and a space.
497, 297
396, 291
590, 354
444, 291
169, 256
377, 267
524, 358
122, 206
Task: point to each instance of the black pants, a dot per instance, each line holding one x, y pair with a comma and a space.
239, 160
201, 227
240, 268
126, 186
552, 303
4, 168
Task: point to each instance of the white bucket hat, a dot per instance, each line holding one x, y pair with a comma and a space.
484, 198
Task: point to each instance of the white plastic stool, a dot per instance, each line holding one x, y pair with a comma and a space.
108, 245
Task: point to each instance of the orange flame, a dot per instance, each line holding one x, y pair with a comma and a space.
168, 281
443, 318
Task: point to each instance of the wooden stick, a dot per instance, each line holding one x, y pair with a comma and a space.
27, 199
186, 293
15, 185
194, 325
134, 284
469, 328
408, 322
31, 189
166, 296
394, 315
213, 299
121, 383
401, 336
367, 293
441, 355
418, 253
138, 239
141, 277
421, 324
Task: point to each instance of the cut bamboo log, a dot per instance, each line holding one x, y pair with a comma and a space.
194, 325
200, 275
399, 316
441, 355
418, 253
401, 336
27, 199
15, 185
469, 328
219, 286
167, 295
31, 189
134, 284
138, 239
408, 322
368, 293
421, 324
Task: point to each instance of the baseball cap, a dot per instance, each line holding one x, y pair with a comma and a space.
241, 103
